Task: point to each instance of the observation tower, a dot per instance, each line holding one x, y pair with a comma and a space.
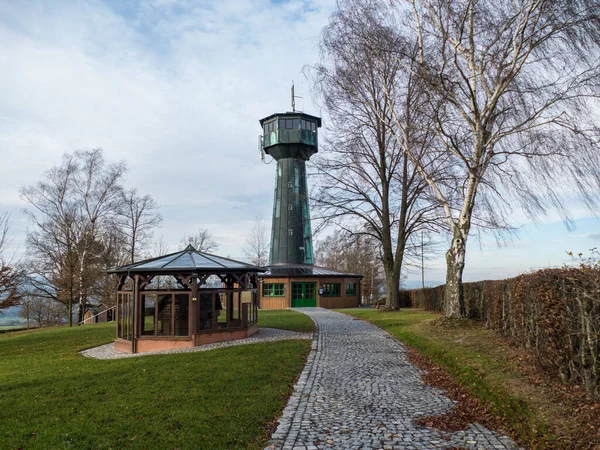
293, 280
290, 138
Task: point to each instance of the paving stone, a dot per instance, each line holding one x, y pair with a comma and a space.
358, 390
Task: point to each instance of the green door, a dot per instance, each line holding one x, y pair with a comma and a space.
304, 294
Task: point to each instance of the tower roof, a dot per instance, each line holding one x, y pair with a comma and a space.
298, 114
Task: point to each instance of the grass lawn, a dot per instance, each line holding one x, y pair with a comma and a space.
488, 368
286, 320
51, 397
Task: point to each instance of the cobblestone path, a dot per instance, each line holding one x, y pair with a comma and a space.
359, 391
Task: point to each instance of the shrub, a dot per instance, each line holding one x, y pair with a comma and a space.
553, 312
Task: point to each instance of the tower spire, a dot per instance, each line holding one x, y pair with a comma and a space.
293, 98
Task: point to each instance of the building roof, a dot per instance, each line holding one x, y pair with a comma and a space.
188, 260
305, 270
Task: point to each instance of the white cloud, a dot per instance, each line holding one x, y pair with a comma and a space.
174, 88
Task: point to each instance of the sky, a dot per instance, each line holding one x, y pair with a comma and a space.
175, 88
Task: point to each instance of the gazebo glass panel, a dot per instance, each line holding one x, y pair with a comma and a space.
130, 317
205, 308
157, 263
185, 260
181, 311
149, 305
235, 307
225, 306
119, 316
163, 326
227, 263
202, 261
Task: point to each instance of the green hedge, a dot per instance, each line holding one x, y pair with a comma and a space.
553, 312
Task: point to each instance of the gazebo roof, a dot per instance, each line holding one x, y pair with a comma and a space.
188, 260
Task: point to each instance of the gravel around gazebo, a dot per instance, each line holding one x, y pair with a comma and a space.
108, 351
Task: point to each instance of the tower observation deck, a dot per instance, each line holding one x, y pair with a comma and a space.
291, 139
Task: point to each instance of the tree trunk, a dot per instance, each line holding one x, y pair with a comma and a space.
454, 301
82, 297
393, 285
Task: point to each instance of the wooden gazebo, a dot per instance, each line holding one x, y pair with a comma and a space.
185, 299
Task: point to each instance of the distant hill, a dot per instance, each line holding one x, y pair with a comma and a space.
10, 316
416, 284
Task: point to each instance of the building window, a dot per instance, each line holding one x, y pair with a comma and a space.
273, 290
289, 124
351, 289
290, 231
290, 207
331, 290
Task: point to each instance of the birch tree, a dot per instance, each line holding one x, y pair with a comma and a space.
98, 199
74, 208
366, 182
513, 87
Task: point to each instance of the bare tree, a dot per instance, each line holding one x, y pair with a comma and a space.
202, 241
111, 254
367, 184
160, 247
10, 276
513, 87
73, 217
43, 312
257, 244
354, 254
100, 197
137, 219
26, 311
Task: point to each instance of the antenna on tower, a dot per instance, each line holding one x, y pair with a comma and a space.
294, 97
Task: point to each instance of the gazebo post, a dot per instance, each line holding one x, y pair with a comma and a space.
193, 319
215, 323
136, 294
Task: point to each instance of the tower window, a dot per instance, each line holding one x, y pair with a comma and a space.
290, 231
290, 185
290, 207
289, 124
270, 126
307, 125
